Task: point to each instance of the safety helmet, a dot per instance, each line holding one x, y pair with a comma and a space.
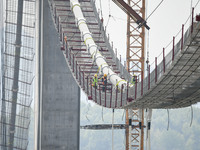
95, 75
105, 75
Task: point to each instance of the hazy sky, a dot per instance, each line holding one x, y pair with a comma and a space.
165, 22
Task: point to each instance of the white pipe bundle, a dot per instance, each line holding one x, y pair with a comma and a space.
92, 48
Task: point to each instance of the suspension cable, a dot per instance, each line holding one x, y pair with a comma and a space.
191, 5
147, 61
109, 7
101, 10
191, 116
87, 112
154, 9
191, 10
123, 115
113, 129
197, 3
102, 114
146, 9
109, 13
168, 119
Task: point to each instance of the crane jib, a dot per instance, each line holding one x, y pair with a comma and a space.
129, 11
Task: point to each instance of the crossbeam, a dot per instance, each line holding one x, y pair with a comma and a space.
129, 11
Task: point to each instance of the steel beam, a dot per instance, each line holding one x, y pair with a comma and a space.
16, 73
132, 13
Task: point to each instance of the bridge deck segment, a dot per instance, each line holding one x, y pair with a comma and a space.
173, 84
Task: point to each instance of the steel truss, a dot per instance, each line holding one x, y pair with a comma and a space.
135, 65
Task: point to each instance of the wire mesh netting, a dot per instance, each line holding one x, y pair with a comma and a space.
17, 73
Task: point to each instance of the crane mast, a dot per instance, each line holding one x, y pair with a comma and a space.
135, 65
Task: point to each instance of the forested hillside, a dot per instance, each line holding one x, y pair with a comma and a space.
179, 136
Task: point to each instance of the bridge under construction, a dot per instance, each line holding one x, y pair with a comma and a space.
52, 49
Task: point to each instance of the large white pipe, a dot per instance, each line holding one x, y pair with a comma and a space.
92, 48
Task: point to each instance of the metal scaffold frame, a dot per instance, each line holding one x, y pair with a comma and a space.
135, 65
17, 73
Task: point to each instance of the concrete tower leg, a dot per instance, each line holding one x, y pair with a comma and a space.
58, 94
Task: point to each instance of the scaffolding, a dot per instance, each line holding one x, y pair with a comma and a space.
17, 73
135, 65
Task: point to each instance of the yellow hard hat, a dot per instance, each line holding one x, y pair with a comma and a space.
105, 75
95, 75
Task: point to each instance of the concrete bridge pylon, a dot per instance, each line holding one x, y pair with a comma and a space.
57, 95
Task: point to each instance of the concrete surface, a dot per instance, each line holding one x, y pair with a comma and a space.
60, 113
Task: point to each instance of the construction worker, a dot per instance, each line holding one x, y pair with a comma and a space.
104, 82
65, 38
133, 80
95, 81
102, 20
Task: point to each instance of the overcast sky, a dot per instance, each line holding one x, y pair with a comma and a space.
165, 22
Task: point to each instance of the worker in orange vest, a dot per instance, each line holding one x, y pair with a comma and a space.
65, 38
104, 82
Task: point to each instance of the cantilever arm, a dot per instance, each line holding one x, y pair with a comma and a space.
128, 10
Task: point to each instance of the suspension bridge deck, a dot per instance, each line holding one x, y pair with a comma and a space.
174, 83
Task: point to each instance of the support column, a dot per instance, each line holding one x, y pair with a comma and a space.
3, 105
59, 95
16, 74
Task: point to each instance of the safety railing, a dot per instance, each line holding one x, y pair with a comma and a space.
113, 97
164, 62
